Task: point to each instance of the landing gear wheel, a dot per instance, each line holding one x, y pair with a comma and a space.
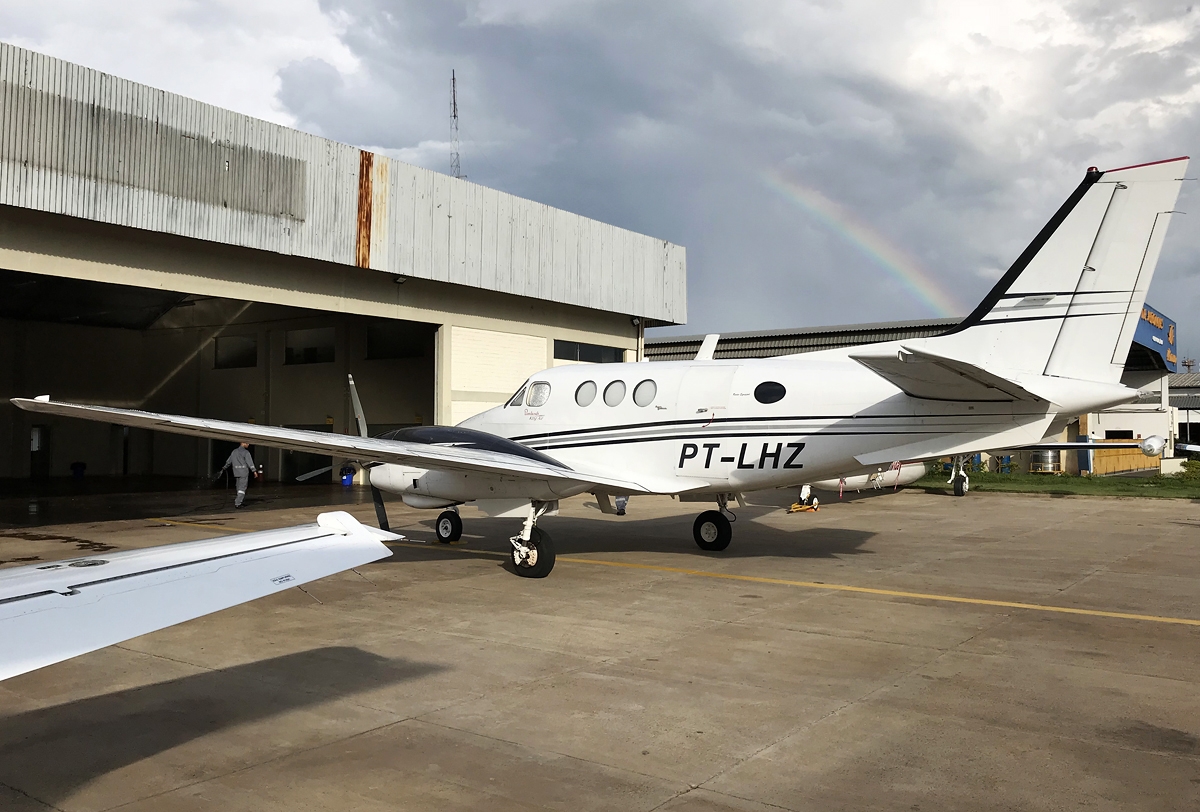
960, 485
533, 558
448, 527
712, 531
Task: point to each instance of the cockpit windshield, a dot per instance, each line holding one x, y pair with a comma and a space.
518, 398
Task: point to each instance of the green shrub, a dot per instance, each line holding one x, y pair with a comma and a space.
1190, 472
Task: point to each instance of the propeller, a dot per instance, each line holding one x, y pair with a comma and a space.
361, 419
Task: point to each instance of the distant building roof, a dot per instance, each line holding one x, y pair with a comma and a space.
770, 343
1184, 380
1191, 402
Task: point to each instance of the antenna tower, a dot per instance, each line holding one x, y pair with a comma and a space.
455, 167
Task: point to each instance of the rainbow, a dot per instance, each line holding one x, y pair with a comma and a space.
875, 246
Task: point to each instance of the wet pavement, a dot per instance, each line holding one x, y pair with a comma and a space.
27, 503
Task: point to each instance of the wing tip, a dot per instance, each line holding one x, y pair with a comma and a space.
27, 403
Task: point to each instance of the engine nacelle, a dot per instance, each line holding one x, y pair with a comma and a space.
422, 488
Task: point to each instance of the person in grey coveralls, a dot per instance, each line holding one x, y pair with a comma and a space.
242, 464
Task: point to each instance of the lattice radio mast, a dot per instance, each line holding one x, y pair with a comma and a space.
455, 167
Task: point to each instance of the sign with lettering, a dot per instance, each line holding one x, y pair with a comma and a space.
1156, 333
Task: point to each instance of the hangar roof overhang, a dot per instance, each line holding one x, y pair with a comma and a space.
77, 142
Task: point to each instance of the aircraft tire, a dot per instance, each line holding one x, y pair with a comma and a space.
541, 561
712, 531
960, 485
448, 527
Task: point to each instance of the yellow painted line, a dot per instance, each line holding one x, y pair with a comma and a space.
205, 526
864, 590
892, 593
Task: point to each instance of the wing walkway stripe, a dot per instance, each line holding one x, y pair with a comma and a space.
864, 590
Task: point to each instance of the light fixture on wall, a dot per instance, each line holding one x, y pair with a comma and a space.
635, 321
400, 279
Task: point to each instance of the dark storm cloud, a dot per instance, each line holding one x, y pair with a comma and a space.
666, 118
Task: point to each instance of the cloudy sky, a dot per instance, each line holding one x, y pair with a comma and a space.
823, 162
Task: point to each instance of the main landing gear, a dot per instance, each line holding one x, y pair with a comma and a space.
712, 530
958, 476
533, 550
448, 526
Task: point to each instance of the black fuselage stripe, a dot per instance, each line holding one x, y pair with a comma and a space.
525, 438
1060, 293
675, 437
1063, 316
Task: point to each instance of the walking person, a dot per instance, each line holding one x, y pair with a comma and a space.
242, 463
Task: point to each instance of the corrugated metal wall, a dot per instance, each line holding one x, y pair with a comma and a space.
78, 142
770, 344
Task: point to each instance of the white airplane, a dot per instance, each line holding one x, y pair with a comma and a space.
54, 611
1047, 344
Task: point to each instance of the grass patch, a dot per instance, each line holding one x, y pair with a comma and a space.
1167, 487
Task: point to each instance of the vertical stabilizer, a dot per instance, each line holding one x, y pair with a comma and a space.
1069, 305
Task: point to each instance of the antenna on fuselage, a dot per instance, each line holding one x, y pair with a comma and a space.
708, 347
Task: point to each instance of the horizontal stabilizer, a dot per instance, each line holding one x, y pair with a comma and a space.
52, 612
923, 374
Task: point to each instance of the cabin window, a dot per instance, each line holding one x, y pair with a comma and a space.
539, 393
769, 392
644, 392
586, 393
614, 393
518, 398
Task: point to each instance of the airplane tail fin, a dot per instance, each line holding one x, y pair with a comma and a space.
1069, 305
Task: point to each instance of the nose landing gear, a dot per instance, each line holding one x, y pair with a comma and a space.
533, 550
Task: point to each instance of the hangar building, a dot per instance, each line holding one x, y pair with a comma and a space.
163, 254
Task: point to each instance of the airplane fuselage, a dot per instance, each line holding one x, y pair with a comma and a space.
728, 426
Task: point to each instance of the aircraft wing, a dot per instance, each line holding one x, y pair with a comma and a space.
58, 610
364, 449
924, 374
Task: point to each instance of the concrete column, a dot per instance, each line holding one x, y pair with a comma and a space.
441, 375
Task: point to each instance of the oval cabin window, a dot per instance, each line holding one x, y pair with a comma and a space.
614, 393
539, 393
769, 392
586, 393
644, 392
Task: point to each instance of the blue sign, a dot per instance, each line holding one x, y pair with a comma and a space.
1156, 333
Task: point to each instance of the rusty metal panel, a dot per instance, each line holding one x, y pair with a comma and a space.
81, 143
362, 243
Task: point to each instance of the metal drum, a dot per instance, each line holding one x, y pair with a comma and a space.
1045, 462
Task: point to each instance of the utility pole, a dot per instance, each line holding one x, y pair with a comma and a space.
455, 167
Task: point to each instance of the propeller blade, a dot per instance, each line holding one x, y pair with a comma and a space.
380, 510
311, 474
358, 409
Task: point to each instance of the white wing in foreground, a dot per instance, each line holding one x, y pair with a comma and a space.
52, 612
